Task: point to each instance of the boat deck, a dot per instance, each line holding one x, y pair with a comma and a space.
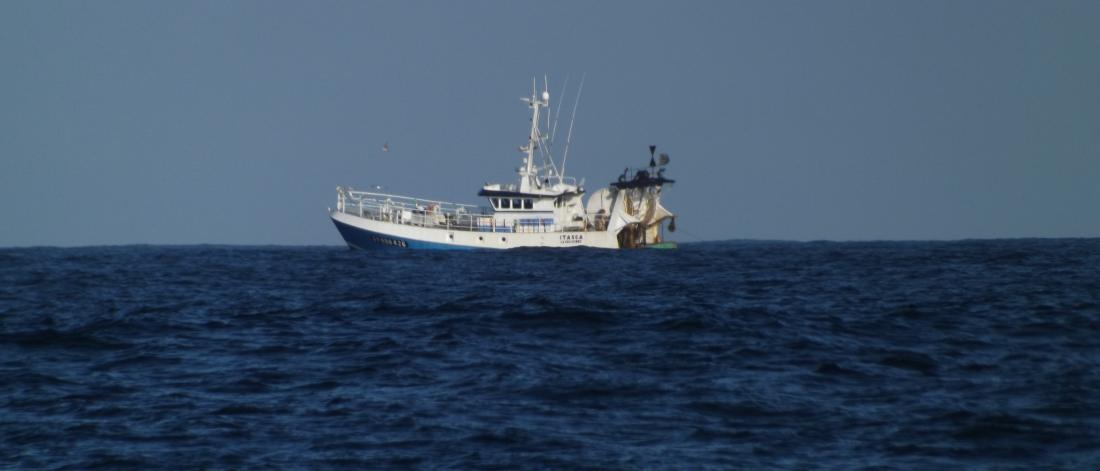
421, 212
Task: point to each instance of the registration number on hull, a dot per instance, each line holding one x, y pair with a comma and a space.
389, 242
570, 239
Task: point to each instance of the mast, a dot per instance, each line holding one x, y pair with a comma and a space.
528, 177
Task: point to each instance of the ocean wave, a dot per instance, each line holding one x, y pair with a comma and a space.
717, 355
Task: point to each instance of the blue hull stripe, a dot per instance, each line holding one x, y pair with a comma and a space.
357, 238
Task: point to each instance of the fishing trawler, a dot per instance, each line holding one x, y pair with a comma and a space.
545, 208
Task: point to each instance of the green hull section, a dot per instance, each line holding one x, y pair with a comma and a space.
662, 245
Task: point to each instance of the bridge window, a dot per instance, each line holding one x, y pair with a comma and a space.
517, 203
527, 204
495, 202
505, 203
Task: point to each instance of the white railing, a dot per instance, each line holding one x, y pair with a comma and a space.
570, 181
429, 213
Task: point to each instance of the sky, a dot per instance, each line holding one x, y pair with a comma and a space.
233, 122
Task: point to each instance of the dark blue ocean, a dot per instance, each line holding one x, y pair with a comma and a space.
910, 355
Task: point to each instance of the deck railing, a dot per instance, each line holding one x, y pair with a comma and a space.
431, 213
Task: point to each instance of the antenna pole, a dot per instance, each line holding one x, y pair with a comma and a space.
544, 150
557, 112
528, 173
569, 137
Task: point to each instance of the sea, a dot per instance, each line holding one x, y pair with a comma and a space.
719, 355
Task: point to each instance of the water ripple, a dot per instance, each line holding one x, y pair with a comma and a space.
719, 355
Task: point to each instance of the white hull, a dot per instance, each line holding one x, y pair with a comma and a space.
545, 208
362, 233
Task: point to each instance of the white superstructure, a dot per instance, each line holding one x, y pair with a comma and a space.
545, 208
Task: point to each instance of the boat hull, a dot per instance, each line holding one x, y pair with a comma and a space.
363, 233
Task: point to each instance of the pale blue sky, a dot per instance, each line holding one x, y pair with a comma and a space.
233, 122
